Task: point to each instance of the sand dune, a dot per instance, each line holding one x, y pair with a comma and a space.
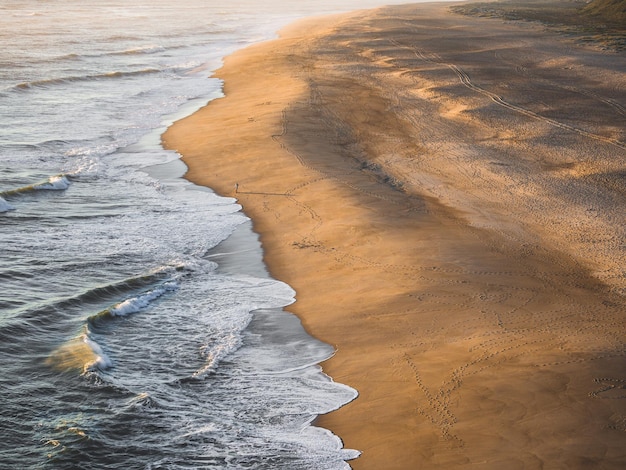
446, 194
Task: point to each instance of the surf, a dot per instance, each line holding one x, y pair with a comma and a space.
53, 183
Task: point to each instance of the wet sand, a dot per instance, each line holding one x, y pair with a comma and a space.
446, 194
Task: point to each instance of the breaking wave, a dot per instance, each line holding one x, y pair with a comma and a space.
24, 86
5, 206
53, 183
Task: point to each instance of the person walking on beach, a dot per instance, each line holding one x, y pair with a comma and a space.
236, 187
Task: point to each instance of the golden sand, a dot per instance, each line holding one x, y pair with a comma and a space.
446, 195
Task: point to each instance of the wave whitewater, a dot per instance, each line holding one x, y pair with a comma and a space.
135, 304
83, 352
53, 183
5, 206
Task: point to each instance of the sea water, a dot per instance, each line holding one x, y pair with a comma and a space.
134, 333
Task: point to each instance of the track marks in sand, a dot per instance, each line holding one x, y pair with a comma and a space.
499, 100
435, 407
610, 389
442, 365
491, 328
528, 72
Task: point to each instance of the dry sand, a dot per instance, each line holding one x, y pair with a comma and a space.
446, 195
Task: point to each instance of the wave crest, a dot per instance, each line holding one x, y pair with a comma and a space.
81, 353
5, 206
46, 83
135, 304
53, 183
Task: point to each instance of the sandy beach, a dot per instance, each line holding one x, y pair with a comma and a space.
446, 195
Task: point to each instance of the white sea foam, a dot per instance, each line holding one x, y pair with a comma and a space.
83, 166
101, 360
217, 352
140, 302
5, 206
54, 183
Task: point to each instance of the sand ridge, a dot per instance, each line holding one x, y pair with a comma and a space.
446, 196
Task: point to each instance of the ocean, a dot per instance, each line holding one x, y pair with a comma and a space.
139, 328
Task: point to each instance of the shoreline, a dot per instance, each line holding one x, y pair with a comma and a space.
406, 172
